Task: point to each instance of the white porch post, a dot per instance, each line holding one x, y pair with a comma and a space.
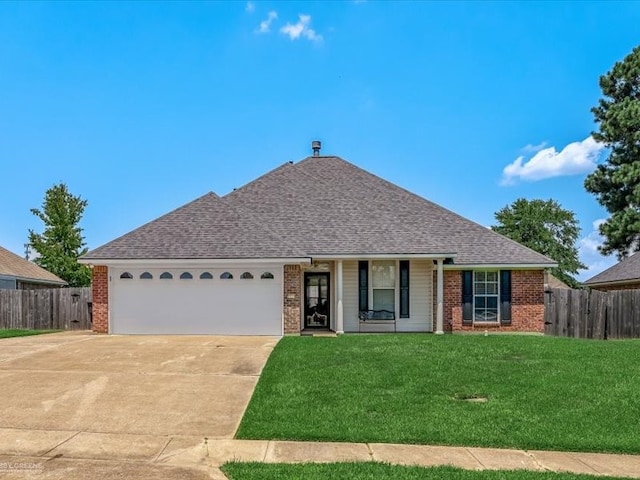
440, 300
339, 310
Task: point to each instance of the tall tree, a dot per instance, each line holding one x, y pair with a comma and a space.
547, 228
616, 183
61, 243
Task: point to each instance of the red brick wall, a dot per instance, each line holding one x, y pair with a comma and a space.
527, 302
100, 288
292, 299
625, 286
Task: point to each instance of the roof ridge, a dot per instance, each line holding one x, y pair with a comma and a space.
391, 185
255, 180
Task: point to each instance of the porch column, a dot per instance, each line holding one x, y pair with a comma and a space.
339, 310
440, 299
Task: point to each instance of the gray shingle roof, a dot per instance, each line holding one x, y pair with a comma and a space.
319, 206
627, 269
325, 206
205, 228
12, 265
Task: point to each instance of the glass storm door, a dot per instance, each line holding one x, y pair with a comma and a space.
316, 300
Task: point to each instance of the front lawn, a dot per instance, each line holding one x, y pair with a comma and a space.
21, 332
381, 471
541, 392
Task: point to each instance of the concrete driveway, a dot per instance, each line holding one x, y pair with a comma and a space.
71, 399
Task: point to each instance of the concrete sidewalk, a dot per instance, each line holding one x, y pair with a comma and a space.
71, 454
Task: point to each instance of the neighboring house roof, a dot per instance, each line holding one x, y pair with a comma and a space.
320, 206
552, 281
627, 270
12, 265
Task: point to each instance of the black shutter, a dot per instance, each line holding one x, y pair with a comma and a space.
363, 283
404, 288
505, 297
467, 297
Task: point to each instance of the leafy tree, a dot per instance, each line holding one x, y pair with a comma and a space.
61, 243
616, 183
547, 228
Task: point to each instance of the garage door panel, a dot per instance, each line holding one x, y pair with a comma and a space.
196, 306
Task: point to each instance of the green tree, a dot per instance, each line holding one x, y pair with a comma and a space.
61, 243
547, 228
616, 183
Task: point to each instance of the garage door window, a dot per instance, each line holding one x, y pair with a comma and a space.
126, 276
206, 276
246, 276
186, 276
146, 276
166, 276
226, 276
267, 276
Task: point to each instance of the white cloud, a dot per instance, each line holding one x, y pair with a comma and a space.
301, 29
250, 7
575, 158
265, 25
589, 254
534, 148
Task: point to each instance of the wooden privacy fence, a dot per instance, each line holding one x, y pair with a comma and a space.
592, 314
56, 308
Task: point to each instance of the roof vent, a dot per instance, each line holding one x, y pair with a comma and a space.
315, 146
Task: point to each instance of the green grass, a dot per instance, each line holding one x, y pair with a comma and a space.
20, 332
543, 393
381, 471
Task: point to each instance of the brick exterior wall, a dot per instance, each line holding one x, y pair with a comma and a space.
100, 290
527, 303
292, 299
623, 286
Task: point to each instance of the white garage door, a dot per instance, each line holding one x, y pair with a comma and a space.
219, 301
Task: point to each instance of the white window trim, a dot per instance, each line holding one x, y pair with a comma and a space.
396, 287
498, 320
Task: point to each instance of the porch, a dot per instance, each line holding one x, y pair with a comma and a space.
375, 294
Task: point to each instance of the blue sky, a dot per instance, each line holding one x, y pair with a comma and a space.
141, 107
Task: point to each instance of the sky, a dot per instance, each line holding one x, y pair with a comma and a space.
140, 107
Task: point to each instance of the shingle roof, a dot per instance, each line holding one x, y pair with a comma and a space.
319, 206
12, 265
204, 228
325, 206
627, 269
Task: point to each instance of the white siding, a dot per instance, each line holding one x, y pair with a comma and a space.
420, 298
350, 295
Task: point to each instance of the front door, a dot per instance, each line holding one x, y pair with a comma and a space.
316, 300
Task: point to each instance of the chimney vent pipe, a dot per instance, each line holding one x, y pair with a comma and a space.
315, 146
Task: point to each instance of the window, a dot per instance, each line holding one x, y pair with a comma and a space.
267, 276
186, 276
246, 276
485, 296
404, 288
126, 275
206, 276
226, 276
166, 276
146, 276
383, 276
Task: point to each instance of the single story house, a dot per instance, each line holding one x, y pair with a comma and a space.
21, 274
318, 244
624, 275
